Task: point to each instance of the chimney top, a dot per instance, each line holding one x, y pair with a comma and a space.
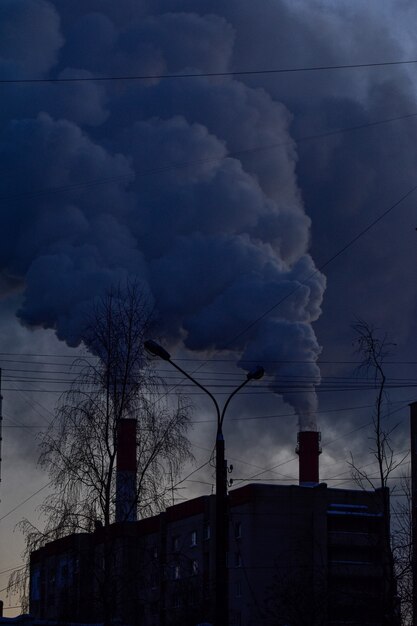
308, 450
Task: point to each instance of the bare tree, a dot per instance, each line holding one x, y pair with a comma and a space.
374, 350
402, 549
78, 452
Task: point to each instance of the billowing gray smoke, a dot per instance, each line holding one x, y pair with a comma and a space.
103, 182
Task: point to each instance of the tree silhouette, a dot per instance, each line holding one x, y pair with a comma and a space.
78, 452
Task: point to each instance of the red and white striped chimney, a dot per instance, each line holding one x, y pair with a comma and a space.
308, 450
126, 471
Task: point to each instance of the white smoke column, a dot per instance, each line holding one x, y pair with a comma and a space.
216, 239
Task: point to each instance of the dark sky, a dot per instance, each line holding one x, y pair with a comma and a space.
224, 197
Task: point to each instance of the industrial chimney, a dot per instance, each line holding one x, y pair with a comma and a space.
126, 470
308, 450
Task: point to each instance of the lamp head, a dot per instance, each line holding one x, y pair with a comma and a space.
156, 350
256, 373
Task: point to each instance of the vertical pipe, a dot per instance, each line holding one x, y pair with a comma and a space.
413, 436
126, 471
308, 450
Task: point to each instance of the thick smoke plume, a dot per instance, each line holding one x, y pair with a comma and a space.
150, 181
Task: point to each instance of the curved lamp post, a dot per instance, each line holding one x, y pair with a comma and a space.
222, 519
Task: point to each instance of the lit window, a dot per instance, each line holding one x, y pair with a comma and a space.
238, 530
193, 538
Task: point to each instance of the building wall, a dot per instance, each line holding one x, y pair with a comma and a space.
293, 552
283, 547
61, 577
358, 567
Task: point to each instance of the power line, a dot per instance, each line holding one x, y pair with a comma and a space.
187, 359
309, 277
237, 460
294, 458
195, 162
38, 354
293, 414
303, 282
25, 500
287, 385
192, 359
51, 481
254, 417
322, 266
260, 72
84, 378
264, 390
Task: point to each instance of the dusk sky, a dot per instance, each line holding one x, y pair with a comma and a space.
246, 203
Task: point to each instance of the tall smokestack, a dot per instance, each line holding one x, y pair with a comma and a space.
126, 470
308, 450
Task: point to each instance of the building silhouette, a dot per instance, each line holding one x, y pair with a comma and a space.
297, 554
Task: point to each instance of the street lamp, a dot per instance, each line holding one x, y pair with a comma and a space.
222, 526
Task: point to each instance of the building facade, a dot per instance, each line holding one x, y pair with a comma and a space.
297, 555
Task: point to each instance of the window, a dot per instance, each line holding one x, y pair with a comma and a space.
193, 541
176, 602
35, 582
206, 532
194, 567
238, 530
51, 577
238, 589
238, 559
177, 572
155, 552
175, 543
62, 577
